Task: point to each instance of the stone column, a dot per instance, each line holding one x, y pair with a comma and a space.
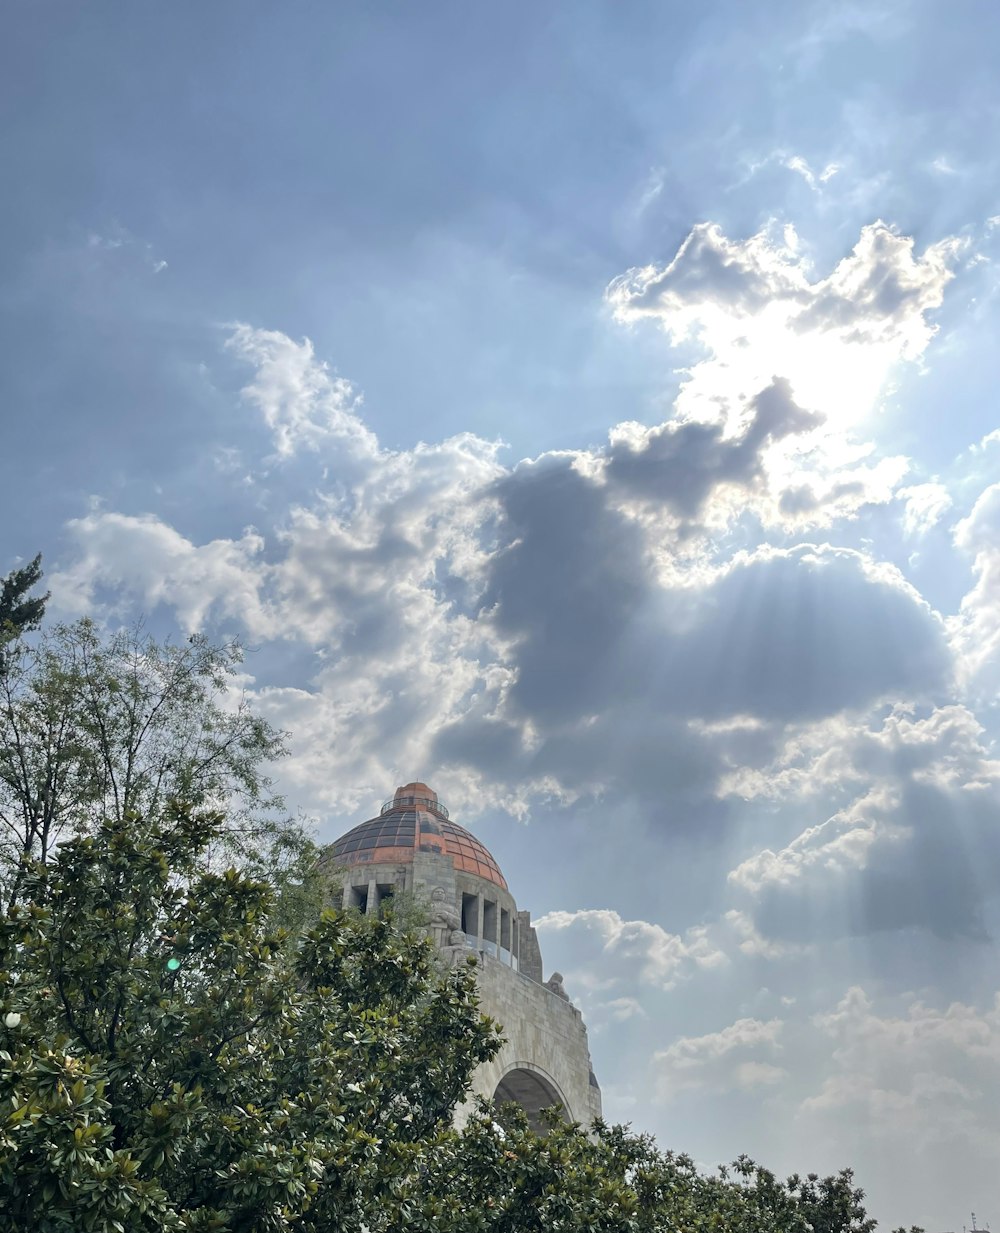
371, 907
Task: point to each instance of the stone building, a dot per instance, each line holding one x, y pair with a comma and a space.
413, 847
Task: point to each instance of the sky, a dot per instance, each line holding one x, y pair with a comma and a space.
589, 409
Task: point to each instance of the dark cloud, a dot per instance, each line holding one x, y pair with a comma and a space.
800, 634
681, 464
565, 587
611, 666
708, 267
797, 634
937, 877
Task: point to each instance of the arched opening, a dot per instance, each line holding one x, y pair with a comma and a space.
534, 1092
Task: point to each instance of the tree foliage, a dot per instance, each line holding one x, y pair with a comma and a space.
612, 1182
167, 1063
20, 611
96, 726
168, 1068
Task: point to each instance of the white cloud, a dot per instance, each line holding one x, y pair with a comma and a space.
796, 163
375, 581
427, 590
755, 309
926, 505
751, 1075
718, 1059
428, 587
624, 1008
975, 630
832, 344
837, 847
944, 746
659, 958
302, 402
928, 1074
223, 578
753, 944
914, 846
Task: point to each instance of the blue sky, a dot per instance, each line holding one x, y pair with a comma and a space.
589, 409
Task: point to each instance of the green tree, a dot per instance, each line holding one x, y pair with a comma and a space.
168, 1063
96, 726
611, 1181
19, 611
164, 1065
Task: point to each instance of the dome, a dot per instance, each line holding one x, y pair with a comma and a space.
415, 820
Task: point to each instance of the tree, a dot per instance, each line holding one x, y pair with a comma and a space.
20, 612
163, 1065
96, 726
610, 1182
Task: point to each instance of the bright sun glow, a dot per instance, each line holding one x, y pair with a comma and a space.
754, 309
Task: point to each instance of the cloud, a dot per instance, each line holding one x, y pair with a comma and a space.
926, 505
975, 630
815, 179
754, 308
221, 579
838, 847
625, 1008
302, 402
914, 846
559, 630
680, 465
718, 1060
549, 630
783, 634
373, 584
121, 247
778, 633
928, 1074
636, 949
753, 944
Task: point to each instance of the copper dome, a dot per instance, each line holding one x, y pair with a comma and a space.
415, 820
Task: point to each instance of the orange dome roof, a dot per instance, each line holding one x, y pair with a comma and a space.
415, 821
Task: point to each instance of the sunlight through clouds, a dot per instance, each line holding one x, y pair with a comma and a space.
755, 309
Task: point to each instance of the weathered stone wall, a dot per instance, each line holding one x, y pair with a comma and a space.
543, 1032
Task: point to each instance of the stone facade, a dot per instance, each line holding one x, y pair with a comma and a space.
414, 849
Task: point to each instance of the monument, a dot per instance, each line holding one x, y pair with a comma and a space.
414, 848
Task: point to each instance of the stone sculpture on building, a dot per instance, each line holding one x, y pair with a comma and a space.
457, 949
555, 983
445, 919
414, 847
